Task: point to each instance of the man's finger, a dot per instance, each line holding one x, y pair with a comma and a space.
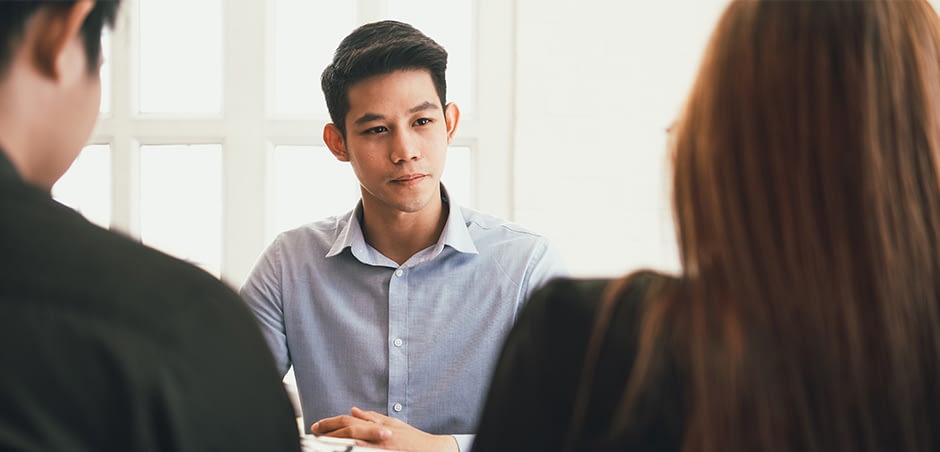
327, 425
370, 416
373, 433
367, 432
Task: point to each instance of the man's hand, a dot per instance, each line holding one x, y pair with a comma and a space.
372, 429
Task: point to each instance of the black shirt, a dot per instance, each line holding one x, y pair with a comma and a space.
106, 344
533, 392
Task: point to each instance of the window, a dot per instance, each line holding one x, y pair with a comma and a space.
209, 140
86, 186
306, 184
180, 56
181, 202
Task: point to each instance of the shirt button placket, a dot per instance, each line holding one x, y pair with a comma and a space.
397, 353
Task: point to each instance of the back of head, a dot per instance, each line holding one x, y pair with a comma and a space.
15, 14
375, 49
807, 203
50, 55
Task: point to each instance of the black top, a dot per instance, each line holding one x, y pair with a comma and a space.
106, 344
532, 394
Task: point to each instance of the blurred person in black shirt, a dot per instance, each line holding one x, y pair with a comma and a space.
106, 344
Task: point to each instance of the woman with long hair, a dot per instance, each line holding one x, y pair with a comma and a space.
807, 205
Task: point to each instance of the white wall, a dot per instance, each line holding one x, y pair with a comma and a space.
597, 83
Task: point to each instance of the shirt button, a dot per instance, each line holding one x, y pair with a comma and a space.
399, 272
398, 342
397, 407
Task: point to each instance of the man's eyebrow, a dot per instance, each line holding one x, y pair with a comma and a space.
424, 106
368, 117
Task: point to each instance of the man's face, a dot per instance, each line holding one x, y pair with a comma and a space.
397, 134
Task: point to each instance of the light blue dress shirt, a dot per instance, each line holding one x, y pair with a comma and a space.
418, 341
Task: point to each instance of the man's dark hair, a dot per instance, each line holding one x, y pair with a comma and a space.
15, 14
375, 49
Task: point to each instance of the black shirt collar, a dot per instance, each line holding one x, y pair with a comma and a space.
7, 170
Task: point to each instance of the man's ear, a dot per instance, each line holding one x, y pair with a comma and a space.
335, 141
451, 118
56, 28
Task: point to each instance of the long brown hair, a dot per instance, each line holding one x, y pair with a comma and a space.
807, 205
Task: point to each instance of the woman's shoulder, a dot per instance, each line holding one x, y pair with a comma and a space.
567, 296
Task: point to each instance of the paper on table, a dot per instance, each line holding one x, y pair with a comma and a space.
313, 443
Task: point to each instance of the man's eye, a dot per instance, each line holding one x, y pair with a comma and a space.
376, 130
423, 121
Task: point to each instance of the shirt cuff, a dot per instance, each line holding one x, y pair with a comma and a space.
464, 442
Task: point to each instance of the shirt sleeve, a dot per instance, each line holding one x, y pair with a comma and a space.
262, 293
545, 266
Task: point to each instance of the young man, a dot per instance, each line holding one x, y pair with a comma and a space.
400, 306
106, 344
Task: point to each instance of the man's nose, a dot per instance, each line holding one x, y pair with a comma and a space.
405, 147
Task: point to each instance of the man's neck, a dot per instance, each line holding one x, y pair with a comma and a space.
24, 124
399, 235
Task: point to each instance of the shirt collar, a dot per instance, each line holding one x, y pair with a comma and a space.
7, 170
350, 236
455, 234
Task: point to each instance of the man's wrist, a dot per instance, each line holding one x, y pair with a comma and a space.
455, 445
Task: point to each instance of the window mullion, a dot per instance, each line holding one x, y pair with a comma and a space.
125, 168
244, 148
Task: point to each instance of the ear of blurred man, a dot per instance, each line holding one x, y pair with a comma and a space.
51, 94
